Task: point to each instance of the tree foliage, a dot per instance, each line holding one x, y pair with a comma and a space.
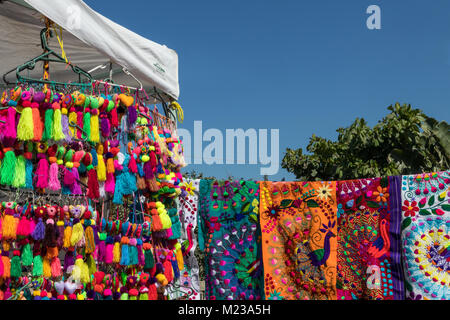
406, 141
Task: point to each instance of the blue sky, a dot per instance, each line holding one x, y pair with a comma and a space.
303, 67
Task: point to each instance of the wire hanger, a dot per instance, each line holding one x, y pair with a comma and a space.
47, 56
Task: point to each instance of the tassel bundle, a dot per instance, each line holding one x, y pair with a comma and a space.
57, 129
38, 128
124, 257
7, 170
25, 129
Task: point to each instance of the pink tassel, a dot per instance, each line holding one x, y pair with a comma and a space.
141, 257
22, 228
68, 178
31, 226
109, 253
10, 134
101, 251
41, 175
109, 183
53, 183
79, 123
76, 189
56, 267
132, 166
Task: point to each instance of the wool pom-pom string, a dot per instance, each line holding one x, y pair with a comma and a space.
19, 172
25, 129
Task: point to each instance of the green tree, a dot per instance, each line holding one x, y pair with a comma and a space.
406, 141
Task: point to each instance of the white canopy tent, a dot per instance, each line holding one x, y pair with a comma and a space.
91, 41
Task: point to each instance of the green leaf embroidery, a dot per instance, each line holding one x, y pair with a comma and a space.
424, 212
312, 203
446, 207
408, 286
358, 201
431, 201
421, 205
406, 223
246, 207
286, 203
373, 204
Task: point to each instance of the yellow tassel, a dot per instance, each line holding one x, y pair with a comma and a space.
72, 118
179, 255
83, 270
47, 268
95, 130
67, 236
25, 129
6, 267
57, 126
101, 167
162, 279
90, 243
116, 252
9, 227
77, 234
110, 165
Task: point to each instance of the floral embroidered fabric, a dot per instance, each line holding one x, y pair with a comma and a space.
299, 228
426, 235
368, 240
187, 287
230, 237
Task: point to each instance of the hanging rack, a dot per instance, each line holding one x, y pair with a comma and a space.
47, 56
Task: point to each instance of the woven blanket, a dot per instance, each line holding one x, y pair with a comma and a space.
299, 228
229, 235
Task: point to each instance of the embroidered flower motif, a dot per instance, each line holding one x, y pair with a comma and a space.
410, 208
340, 210
324, 192
381, 194
275, 295
273, 212
189, 187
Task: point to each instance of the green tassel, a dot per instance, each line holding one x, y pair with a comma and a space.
149, 260
38, 269
86, 125
48, 125
19, 173
16, 268
8, 168
91, 265
27, 256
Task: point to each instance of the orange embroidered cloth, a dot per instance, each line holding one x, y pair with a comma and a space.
298, 224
